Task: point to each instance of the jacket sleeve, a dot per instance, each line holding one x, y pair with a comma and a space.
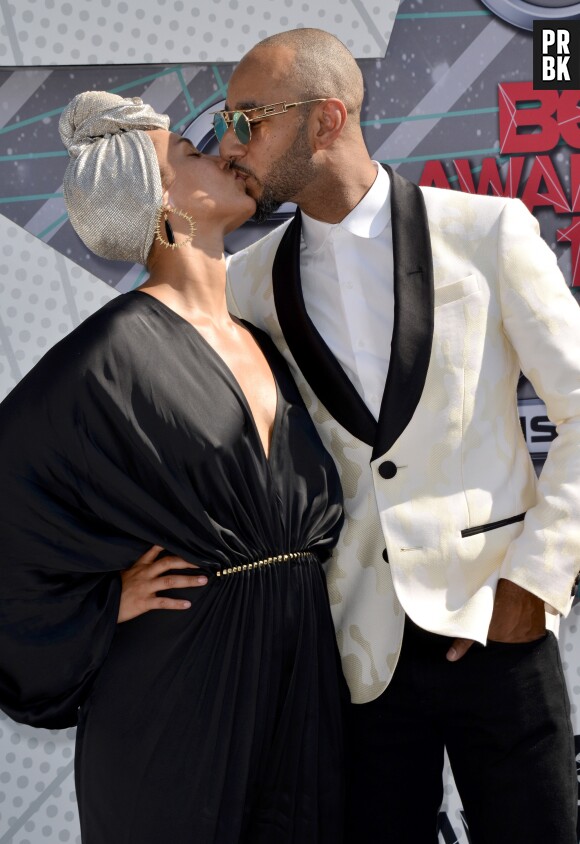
542, 322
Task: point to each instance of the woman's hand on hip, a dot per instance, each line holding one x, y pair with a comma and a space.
148, 576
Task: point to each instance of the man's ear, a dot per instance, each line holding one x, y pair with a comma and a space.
329, 119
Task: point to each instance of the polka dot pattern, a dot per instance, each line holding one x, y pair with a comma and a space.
115, 31
44, 296
37, 768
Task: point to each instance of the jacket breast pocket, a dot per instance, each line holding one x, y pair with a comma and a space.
455, 291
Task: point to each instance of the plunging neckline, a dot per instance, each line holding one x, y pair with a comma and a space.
228, 372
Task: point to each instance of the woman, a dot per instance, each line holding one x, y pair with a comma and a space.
209, 712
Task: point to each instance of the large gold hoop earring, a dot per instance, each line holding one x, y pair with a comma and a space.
169, 242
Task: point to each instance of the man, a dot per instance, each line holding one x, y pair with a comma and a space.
406, 315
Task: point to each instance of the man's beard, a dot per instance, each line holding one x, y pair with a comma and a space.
288, 176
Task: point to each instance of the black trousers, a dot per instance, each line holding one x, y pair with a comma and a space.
503, 714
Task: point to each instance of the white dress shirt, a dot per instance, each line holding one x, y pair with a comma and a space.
347, 281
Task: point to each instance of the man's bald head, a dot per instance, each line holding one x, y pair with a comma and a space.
317, 65
315, 154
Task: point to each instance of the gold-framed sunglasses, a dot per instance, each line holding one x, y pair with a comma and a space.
242, 123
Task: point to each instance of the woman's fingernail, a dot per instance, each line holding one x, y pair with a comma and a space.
202, 581
186, 604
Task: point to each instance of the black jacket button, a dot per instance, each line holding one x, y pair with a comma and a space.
387, 470
385, 556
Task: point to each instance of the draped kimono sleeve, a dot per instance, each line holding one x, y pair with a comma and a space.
60, 559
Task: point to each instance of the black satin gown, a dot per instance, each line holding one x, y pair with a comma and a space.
215, 725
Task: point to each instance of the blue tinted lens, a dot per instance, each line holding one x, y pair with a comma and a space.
220, 126
242, 127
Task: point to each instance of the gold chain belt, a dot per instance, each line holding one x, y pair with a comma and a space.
281, 558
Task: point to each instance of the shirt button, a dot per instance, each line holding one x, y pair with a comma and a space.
385, 556
387, 470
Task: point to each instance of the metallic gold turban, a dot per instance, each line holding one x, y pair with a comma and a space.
112, 185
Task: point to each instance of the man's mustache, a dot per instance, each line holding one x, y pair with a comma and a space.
241, 169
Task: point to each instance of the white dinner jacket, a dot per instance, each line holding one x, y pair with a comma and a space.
441, 497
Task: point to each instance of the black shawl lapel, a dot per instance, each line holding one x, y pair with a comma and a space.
413, 322
323, 372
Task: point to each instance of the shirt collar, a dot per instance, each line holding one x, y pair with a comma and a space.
367, 219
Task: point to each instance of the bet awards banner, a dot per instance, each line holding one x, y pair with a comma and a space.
459, 95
